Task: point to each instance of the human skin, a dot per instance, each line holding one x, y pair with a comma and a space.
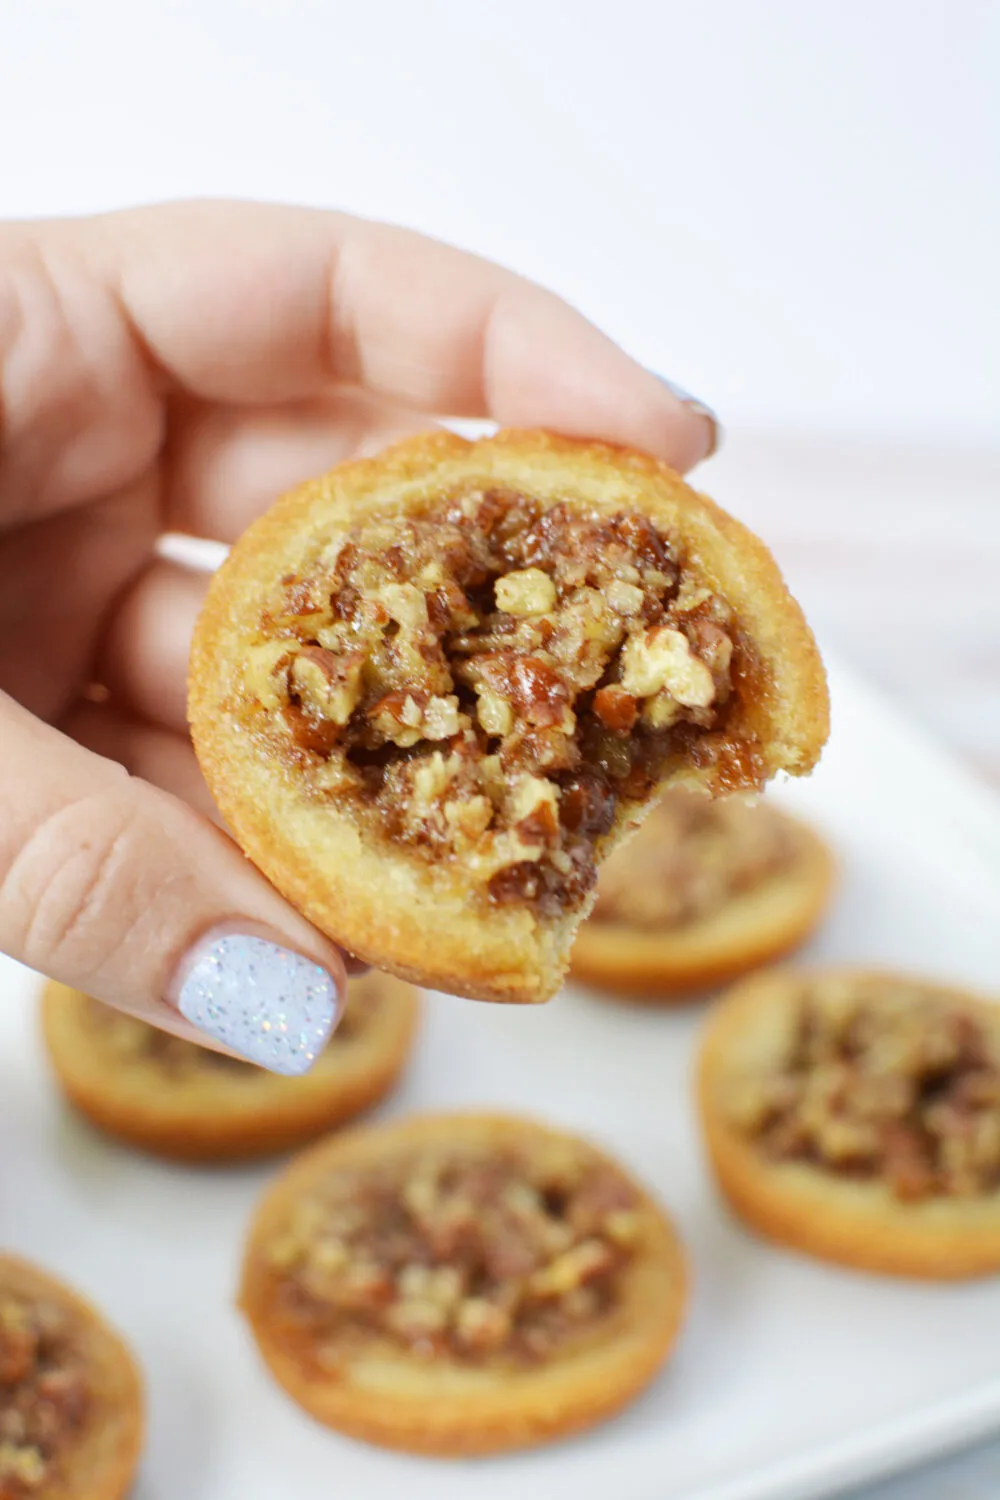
174, 369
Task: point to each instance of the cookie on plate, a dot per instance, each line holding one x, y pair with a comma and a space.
177, 1099
431, 690
855, 1115
461, 1284
71, 1402
704, 891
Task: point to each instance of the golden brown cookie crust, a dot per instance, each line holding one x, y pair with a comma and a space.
379, 901
754, 928
395, 1401
212, 1115
103, 1462
858, 1223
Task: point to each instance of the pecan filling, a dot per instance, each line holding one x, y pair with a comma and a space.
691, 857
489, 679
131, 1040
44, 1397
888, 1081
460, 1254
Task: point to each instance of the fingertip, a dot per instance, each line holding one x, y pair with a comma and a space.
546, 366
706, 440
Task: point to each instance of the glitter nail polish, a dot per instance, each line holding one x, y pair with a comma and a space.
269, 1004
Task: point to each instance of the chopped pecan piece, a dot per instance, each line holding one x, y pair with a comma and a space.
328, 686
616, 709
530, 592
522, 640
884, 1081
461, 1253
690, 857
44, 1394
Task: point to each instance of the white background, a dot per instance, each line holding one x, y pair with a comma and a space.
789, 206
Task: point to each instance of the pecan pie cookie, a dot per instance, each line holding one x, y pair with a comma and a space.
461, 1284
430, 690
704, 891
180, 1100
856, 1116
71, 1405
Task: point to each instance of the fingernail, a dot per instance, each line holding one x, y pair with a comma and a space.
698, 407
266, 1002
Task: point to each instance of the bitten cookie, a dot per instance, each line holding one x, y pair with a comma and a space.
706, 890
180, 1100
855, 1115
461, 1284
432, 689
71, 1403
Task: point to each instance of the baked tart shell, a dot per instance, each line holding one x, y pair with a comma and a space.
220, 1116
856, 1223
377, 900
753, 928
101, 1465
448, 1410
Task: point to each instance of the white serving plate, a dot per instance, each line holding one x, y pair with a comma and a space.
792, 1380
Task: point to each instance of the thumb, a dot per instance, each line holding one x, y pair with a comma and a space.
117, 889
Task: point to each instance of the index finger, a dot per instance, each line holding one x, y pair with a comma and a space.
250, 303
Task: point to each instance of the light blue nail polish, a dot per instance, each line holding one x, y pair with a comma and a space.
266, 1002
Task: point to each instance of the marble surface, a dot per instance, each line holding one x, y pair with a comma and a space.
895, 554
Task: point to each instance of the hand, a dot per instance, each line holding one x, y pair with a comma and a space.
174, 369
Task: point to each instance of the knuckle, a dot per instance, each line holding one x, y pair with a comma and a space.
74, 888
74, 427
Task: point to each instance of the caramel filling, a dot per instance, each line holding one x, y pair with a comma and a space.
463, 1254
883, 1081
44, 1396
491, 679
690, 858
